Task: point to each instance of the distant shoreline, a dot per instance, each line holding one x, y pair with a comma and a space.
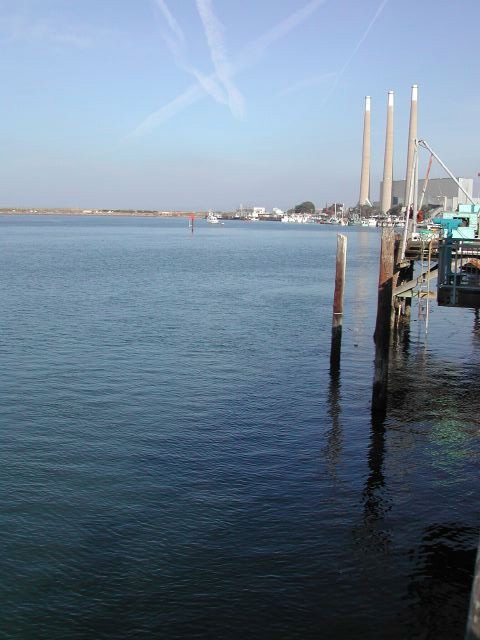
130, 213
103, 212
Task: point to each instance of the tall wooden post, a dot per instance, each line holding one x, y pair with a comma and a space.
384, 321
337, 317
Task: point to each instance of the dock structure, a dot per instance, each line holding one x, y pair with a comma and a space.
459, 273
410, 262
454, 263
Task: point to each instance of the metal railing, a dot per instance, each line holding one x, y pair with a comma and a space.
459, 266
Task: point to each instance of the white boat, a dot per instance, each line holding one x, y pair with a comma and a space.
212, 218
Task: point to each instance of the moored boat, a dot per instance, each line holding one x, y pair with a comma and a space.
212, 218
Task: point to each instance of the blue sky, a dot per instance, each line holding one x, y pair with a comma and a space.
195, 104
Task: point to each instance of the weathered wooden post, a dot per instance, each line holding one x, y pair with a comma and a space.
337, 316
384, 321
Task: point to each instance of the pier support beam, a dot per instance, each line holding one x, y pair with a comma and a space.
384, 321
337, 317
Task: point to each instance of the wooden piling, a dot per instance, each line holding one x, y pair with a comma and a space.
384, 321
337, 316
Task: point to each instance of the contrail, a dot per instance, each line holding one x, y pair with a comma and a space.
176, 44
257, 47
246, 58
216, 42
355, 50
188, 97
172, 23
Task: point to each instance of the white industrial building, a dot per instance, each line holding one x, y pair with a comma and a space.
439, 191
257, 211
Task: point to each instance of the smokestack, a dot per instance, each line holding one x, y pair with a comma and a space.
388, 159
365, 176
412, 134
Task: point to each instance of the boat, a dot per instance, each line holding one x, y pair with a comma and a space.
354, 220
369, 222
212, 218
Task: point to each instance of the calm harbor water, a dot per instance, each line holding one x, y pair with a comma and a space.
176, 461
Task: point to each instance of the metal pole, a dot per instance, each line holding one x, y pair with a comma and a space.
415, 189
424, 144
407, 213
427, 316
425, 182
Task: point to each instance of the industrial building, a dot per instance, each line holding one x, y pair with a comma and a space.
439, 191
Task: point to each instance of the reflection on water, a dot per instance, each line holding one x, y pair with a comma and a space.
375, 496
333, 447
440, 582
476, 326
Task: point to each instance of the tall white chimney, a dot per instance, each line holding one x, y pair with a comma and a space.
412, 134
388, 158
365, 175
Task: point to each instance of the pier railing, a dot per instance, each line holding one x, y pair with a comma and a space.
459, 272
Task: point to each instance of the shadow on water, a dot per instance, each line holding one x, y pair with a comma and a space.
427, 408
476, 326
376, 503
373, 535
440, 583
430, 402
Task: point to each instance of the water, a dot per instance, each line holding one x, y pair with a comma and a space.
176, 461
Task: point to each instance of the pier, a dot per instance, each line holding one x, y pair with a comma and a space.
441, 266
455, 265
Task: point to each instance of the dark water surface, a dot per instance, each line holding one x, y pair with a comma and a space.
177, 463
